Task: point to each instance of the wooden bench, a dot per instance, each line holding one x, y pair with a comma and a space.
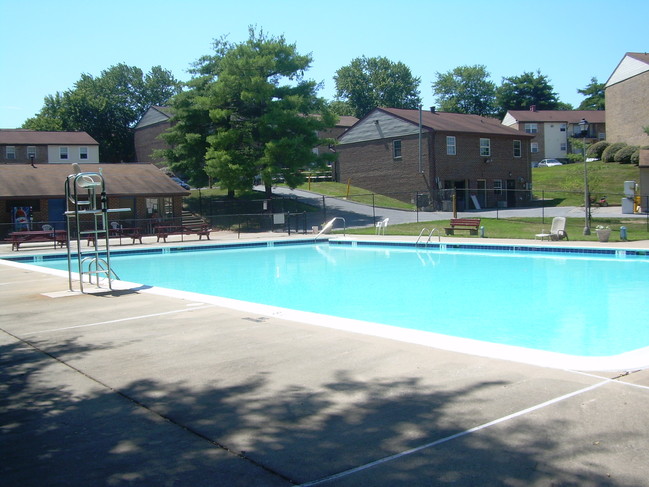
56, 236
470, 224
162, 232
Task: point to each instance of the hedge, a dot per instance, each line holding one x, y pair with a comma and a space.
609, 153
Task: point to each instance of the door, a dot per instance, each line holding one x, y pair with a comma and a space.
55, 213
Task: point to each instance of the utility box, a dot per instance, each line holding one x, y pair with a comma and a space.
629, 189
627, 206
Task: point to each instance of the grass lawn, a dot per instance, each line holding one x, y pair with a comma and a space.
564, 185
637, 229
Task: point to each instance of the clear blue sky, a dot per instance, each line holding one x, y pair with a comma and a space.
45, 45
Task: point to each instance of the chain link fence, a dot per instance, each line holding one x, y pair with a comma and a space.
310, 211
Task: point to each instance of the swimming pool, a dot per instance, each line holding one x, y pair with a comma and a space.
576, 302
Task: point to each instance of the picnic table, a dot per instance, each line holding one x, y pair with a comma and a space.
27, 236
120, 232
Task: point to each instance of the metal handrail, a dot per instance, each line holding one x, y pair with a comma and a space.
330, 225
420, 234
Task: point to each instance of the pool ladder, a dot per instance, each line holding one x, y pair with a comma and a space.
430, 235
330, 225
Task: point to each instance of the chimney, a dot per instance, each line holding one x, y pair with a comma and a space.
532, 108
432, 109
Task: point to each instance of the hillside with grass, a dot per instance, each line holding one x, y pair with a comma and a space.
564, 185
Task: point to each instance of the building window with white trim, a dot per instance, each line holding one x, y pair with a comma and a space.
10, 152
485, 147
31, 152
534, 147
451, 147
63, 153
498, 186
396, 149
517, 148
531, 128
83, 153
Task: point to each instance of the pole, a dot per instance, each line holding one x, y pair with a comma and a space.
586, 196
420, 160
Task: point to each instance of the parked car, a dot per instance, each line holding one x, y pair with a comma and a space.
181, 182
549, 163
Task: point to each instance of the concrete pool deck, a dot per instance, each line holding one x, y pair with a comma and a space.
133, 388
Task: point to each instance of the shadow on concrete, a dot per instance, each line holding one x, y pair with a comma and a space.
62, 427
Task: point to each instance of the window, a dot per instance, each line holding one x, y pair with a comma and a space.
83, 153
562, 127
31, 152
451, 148
534, 147
485, 147
531, 128
498, 186
564, 146
517, 148
396, 149
10, 152
63, 152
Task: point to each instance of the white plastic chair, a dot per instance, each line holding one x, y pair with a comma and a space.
48, 228
381, 226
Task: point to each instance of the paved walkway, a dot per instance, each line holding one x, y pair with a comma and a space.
131, 387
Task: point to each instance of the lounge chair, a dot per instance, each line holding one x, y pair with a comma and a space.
557, 231
381, 226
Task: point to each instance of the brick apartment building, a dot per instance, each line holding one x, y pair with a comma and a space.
484, 161
627, 100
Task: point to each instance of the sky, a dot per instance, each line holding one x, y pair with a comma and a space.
46, 45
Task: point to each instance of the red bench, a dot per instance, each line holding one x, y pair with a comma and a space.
470, 224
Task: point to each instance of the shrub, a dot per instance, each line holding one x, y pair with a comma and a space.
609, 153
623, 156
595, 150
635, 157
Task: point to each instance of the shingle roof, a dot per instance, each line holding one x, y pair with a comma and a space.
346, 121
558, 116
454, 122
48, 180
37, 137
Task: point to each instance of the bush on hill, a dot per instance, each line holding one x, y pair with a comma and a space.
609, 153
623, 156
635, 157
595, 150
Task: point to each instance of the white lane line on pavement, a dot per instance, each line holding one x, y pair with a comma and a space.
455, 436
130, 318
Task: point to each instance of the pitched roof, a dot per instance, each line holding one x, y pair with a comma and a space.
632, 64
48, 180
346, 121
154, 115
558, 116
37, 137
454, 122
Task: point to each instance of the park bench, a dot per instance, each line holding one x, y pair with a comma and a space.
470, 224
162, 232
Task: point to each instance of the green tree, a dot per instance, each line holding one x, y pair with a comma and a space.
107, 107
521, 92
253, 112
367, 83
594, 93
466, 89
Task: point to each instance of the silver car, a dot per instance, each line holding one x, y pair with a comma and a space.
549, 163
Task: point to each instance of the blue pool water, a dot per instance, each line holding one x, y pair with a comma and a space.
588, 305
